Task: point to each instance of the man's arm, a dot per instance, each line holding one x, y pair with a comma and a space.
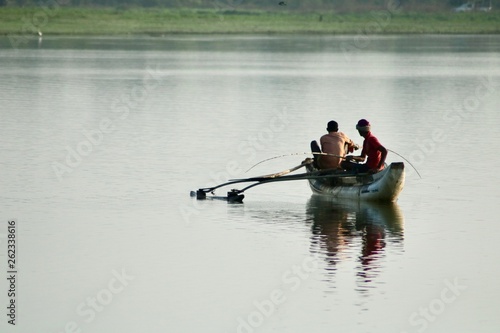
351, 146
383, 152
361, 158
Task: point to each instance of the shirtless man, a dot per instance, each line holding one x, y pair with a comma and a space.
335, 143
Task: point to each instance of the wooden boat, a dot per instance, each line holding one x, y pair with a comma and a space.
385, 185
382, 186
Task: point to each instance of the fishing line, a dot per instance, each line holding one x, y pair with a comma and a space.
327, 154
392, 151
292, 154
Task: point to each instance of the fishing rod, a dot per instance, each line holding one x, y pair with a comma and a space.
392, 151
293, 154
328, 154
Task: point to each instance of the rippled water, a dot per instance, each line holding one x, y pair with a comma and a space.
104, 138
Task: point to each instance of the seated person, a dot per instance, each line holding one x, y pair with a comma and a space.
335, 144
372, 149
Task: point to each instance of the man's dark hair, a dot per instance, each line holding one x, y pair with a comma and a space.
332, 126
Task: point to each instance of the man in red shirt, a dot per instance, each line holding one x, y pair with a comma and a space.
372, 149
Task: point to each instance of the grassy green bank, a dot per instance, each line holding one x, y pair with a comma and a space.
108, 21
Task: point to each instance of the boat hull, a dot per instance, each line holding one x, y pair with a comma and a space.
385, 185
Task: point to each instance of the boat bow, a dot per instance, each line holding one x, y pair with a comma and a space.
385, 185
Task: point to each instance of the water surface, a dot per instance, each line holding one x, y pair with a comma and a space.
103, 138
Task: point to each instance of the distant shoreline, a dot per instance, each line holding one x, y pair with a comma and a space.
26, 22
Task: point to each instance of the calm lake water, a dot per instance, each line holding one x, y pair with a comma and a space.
104, 138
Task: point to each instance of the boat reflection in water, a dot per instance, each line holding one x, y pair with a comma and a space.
354, 231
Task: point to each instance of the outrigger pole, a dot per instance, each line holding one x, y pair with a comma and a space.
236, 195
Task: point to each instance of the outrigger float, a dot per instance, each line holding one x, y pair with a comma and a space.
383, 186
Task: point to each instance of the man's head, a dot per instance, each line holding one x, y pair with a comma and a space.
332, 126
363, 126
